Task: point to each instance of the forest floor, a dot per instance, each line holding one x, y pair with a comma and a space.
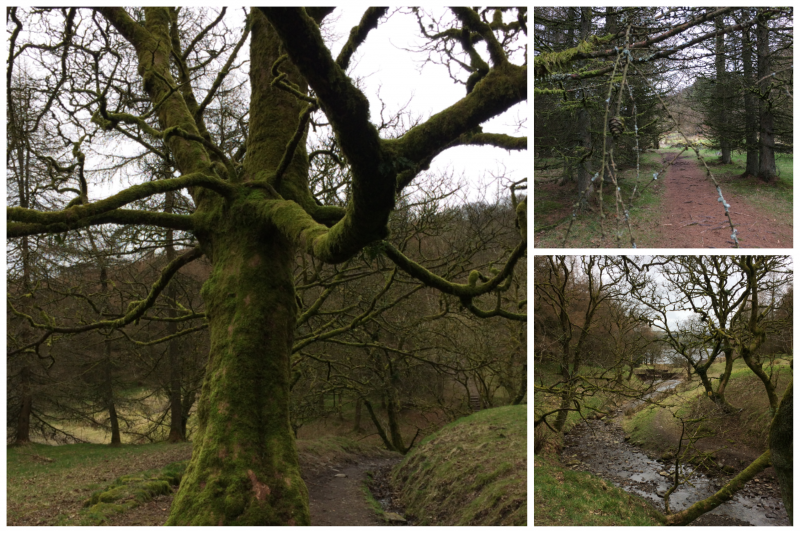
47, 485
692, 216
679, 210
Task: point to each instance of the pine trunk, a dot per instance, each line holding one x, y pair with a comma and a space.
750, 106
766, 164
722, 90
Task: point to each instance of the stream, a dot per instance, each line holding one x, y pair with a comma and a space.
600, 447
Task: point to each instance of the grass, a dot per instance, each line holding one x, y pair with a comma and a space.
745, 391
776, 198
471, 472
47, 485
564, 497
555, 206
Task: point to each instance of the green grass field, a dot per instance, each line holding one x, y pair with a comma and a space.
564, 497
471, 472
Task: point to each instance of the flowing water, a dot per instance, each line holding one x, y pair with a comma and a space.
599, 447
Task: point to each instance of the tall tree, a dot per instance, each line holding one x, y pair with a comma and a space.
766, 161
250, 218
722, 88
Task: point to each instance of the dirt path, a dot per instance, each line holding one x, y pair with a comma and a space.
693, 218
333, 500
336, 497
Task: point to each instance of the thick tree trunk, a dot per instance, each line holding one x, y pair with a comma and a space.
244, 469
780, 447
766, 165
722, 91
23, 435
750, 106
108, 377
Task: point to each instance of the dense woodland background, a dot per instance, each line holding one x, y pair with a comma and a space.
722, 77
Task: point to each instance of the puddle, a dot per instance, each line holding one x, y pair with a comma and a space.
599, 447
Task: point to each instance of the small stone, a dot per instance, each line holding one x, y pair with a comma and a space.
394, 517
662, 473
340, 475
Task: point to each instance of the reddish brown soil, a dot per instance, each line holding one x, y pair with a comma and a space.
693, 218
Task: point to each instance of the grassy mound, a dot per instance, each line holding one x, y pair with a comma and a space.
130, 491
563, 497
471, 472
734, 440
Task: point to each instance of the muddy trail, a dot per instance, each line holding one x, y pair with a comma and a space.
693, 218
600, 447
335, 492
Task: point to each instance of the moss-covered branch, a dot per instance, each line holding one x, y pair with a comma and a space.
167, 338
369, 21
499, 140
503, 87
135, 309
723, 495
472, 20
129, 195
117, 216
471, 289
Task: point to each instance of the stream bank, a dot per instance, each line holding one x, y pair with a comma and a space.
601, 447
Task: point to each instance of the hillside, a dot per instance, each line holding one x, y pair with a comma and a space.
471, 472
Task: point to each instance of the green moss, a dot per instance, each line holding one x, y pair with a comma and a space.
472, 472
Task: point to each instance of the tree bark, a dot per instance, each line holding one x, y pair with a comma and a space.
723, 495
766, 165
584, 119
244, 469
523, 386
722, 90
780, 446
108, 378
750, 106
357, 416
176, 425
23, 435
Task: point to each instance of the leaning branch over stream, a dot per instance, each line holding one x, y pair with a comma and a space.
724, 494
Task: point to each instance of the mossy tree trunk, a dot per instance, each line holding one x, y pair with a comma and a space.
781, 441
244, 470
